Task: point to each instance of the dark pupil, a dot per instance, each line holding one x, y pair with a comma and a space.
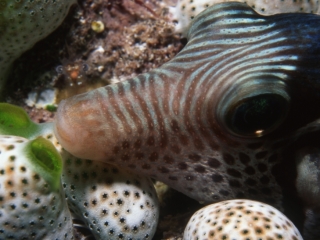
257, 113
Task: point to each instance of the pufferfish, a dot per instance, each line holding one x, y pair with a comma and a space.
222, 119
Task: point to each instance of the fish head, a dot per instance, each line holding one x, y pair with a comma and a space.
212, 122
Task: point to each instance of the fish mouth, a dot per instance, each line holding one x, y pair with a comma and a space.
68, 129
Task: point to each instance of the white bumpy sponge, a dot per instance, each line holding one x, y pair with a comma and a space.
25, 22
240, 219
32, 203
113, 203
186, 10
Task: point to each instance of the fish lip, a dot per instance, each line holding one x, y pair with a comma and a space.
61, 123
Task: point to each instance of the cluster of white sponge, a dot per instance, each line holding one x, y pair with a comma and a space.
40, 183
113, 203
240, 219
32, 202
186, 10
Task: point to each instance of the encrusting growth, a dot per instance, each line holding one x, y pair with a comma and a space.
185, 10
32, 202
240, 219
113, 203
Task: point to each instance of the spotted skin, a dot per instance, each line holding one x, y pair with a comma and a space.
240, 219
170, 123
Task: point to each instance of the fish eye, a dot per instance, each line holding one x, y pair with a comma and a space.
257, 115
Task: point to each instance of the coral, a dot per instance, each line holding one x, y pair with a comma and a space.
15, 121
113, 203
32, 202
185, 10
22, 24
240, 219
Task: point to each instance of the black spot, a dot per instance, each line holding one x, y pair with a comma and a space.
175, 126
168, 159
250, 182
199, 169
150, 141
85, 175
137, 144
217, 178
163, 169
194, 157
250, 170
182, 166
126, 193
262, 167
213, 162
234, 183
234, 173
153, 157
173, 178
244, 158
229, 159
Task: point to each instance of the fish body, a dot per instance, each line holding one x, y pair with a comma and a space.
214, 121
